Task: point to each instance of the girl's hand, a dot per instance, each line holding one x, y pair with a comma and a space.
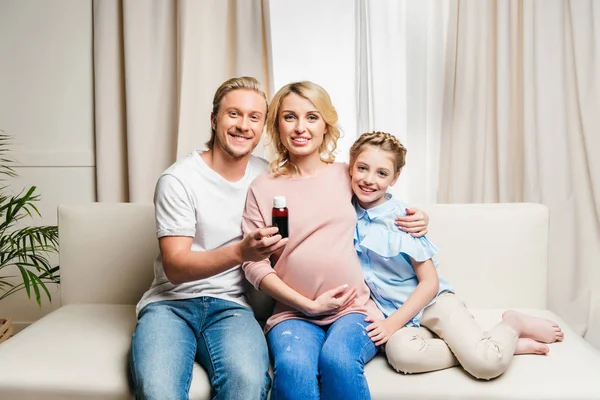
415, 223
332, 301
380, 330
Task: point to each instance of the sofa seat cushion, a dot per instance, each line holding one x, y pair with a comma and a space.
81, 352
569, 371
76, 352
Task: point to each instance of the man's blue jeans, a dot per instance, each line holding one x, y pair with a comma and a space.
306, 354
221, 335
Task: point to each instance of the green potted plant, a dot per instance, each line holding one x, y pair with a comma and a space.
24, 248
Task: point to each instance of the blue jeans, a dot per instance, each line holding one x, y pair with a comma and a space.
305, 354
221, 335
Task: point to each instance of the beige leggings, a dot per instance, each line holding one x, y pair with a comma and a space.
459, 340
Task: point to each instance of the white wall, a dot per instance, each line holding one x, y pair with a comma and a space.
46, 103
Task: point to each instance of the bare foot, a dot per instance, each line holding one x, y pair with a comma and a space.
538, 329
530, 346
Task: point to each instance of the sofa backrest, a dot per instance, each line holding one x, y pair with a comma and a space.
493, 254
106, 252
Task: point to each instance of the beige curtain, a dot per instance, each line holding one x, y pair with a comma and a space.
157, 65
400, 65
522, 123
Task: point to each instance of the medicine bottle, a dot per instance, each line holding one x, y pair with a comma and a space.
280, 215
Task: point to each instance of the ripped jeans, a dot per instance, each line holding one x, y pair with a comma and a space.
221, 335
314, 362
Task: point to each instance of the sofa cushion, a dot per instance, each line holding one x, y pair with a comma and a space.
89, 272
81, 352
569, 371
76, 352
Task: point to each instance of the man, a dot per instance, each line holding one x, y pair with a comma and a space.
195, 308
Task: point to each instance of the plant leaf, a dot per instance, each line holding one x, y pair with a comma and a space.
25, 277
37, 283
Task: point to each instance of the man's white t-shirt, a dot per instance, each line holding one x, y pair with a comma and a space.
191, 199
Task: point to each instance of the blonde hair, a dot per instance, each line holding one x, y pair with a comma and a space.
383, 141
320, 98
243, 82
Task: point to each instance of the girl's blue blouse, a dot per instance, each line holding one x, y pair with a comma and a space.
384, 252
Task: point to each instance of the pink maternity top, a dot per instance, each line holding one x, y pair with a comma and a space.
320, 253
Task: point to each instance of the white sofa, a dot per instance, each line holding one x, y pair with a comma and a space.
495, 255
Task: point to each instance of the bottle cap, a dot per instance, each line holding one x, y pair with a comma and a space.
279, 202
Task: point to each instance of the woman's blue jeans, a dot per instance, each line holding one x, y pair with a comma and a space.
314, 362
221, 335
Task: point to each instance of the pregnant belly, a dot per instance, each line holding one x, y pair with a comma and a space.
311, 275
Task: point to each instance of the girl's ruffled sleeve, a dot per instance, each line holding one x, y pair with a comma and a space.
390, 244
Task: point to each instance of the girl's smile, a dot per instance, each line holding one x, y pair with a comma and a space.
371, 174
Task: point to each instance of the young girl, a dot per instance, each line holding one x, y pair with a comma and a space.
404, 283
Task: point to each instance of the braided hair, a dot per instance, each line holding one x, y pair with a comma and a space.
383, 141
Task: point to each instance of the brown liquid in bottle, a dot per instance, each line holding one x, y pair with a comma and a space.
280, 215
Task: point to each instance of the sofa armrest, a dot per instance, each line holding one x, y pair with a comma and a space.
592, 334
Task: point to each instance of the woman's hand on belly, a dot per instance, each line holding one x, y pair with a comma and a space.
332, 301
